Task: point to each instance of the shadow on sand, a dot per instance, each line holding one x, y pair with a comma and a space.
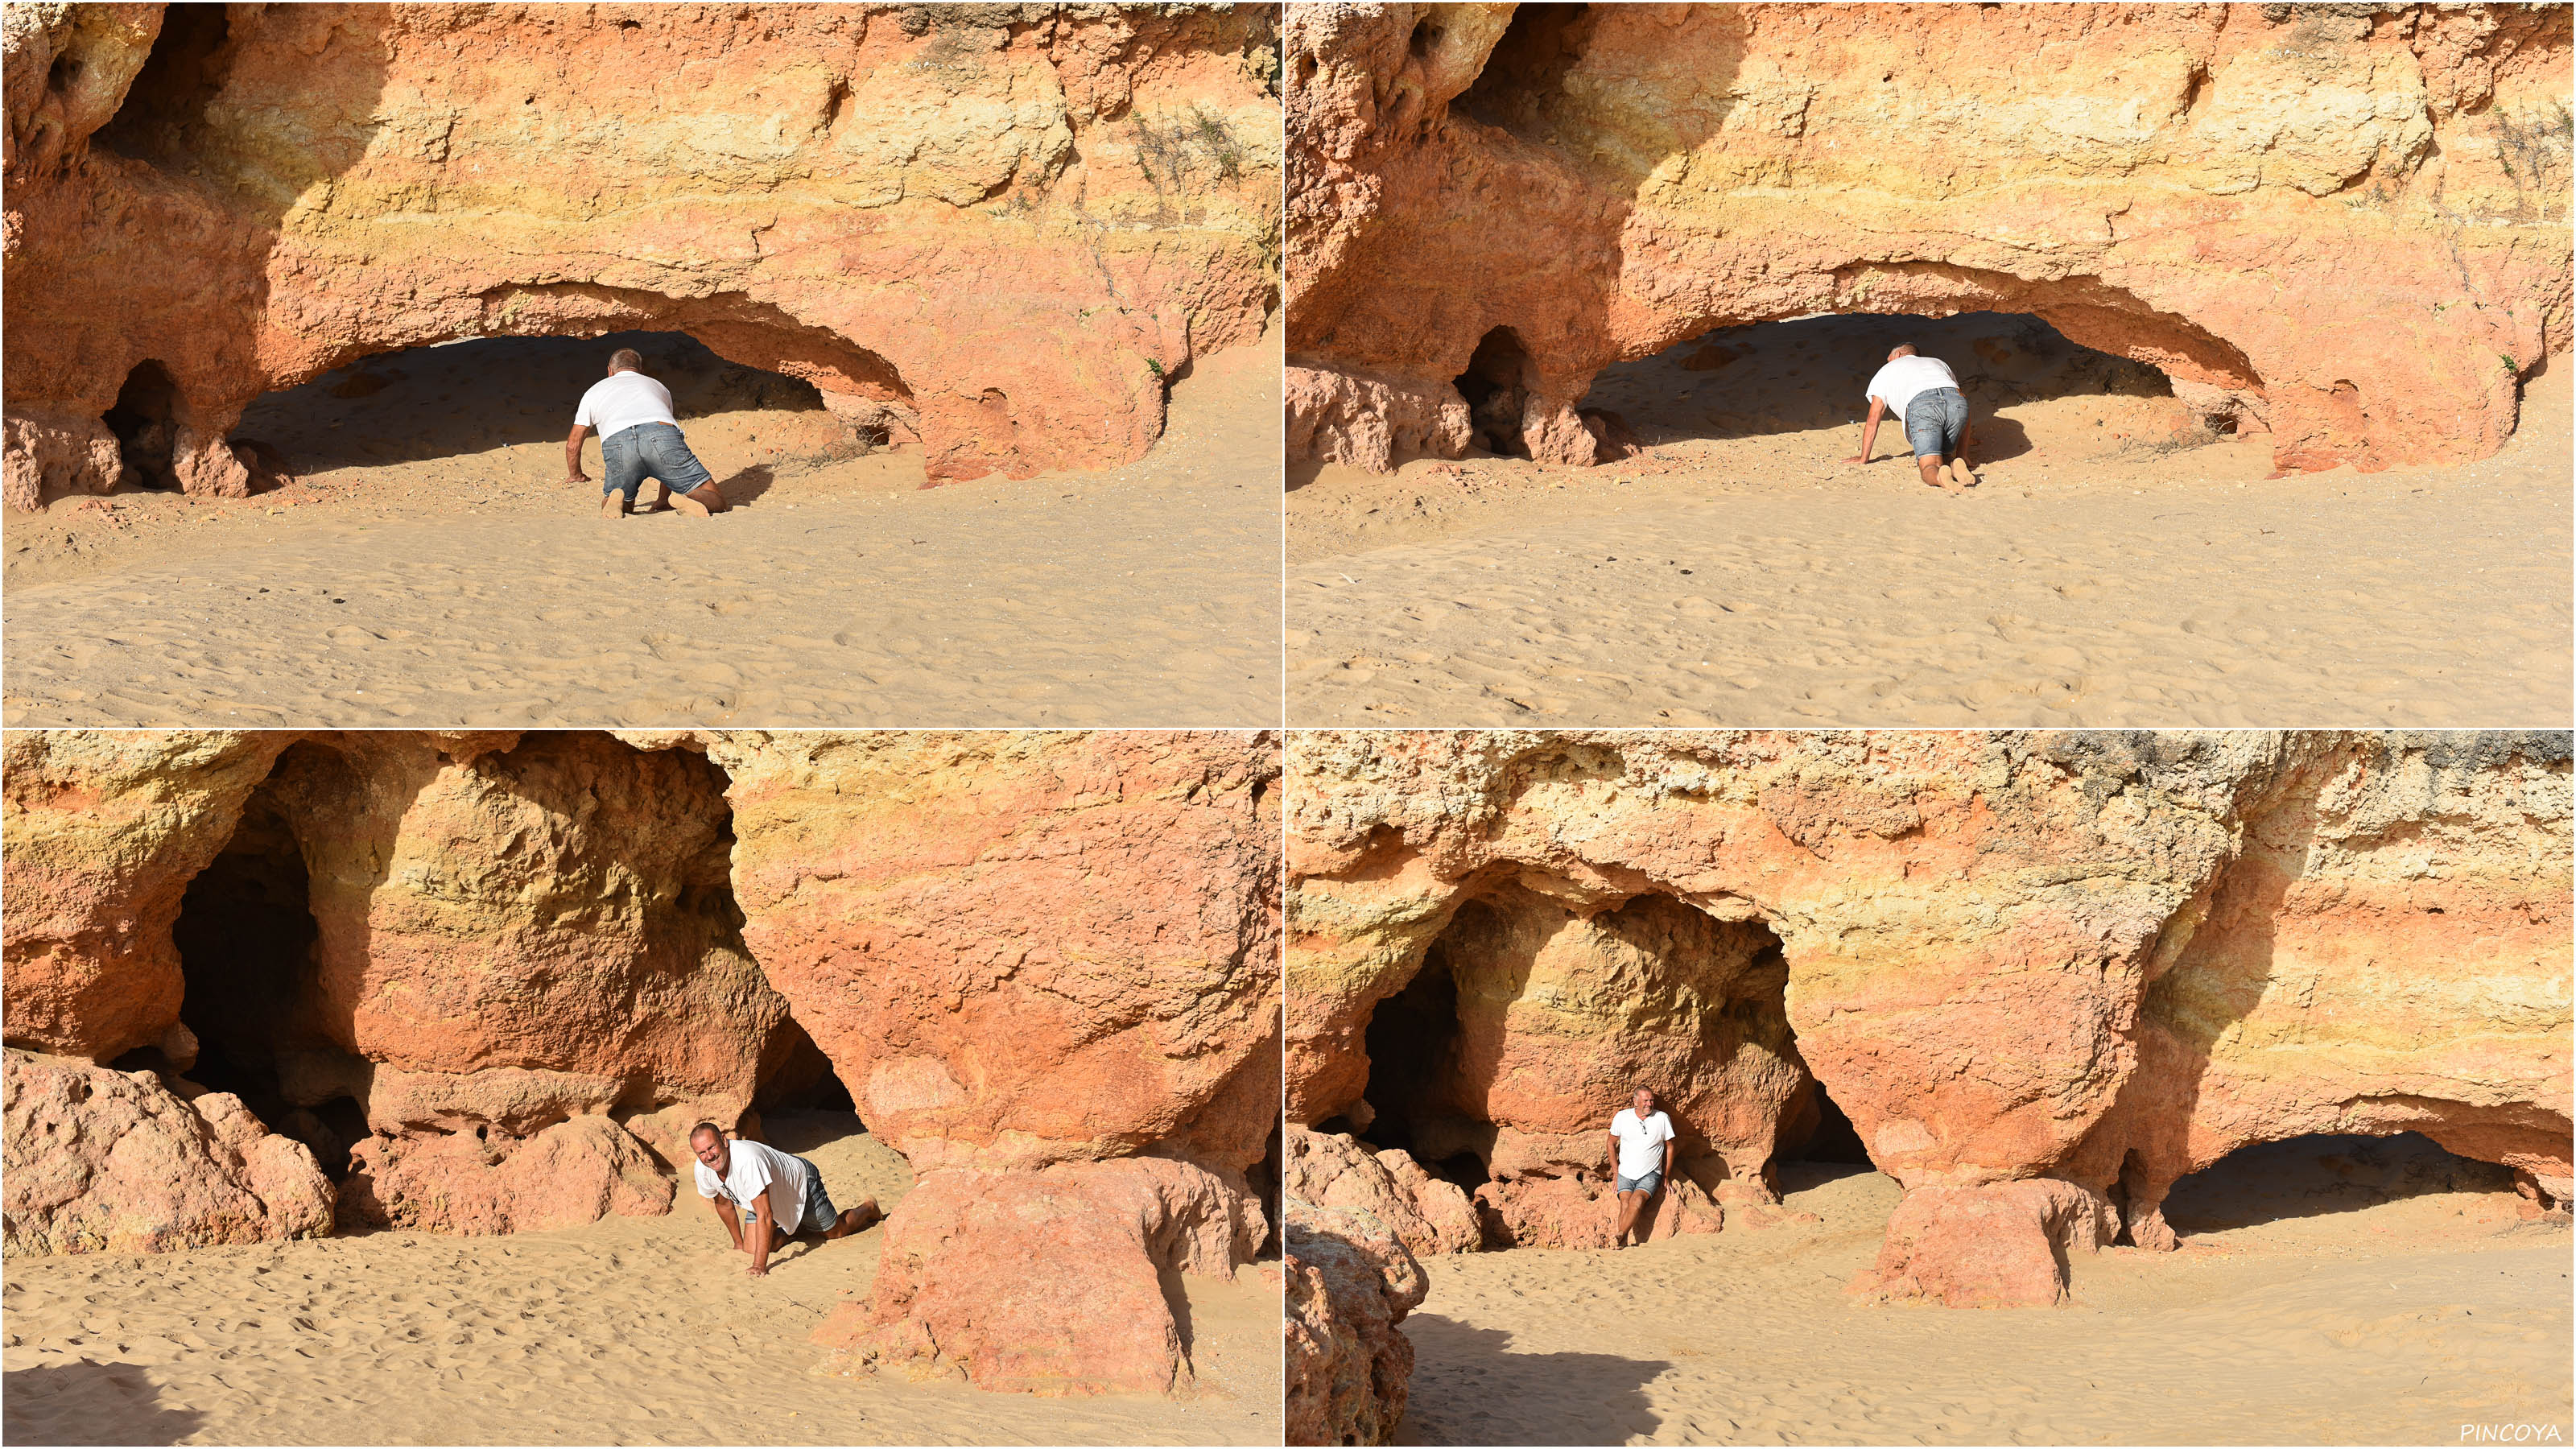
1468, 1388
91, 1403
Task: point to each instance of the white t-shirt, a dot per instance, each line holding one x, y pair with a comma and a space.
1900, 380
1641, 1144
754, 1170
617, 403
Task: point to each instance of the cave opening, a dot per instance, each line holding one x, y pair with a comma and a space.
145, 420
2028, 387
245, 935
1496, 387
1527, 66
802, 1079
2319, 1174
1412, 1044
168, 95
484, 408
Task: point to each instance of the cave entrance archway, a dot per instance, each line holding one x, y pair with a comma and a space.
145, 420
2274, 1185
801, 1079
168, 96
491, 413
245, 937
2029, 387
1496, 386
1548, 1015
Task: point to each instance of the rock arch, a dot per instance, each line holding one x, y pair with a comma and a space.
2316, 224
910, 209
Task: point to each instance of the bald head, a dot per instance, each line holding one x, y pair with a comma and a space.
627, 359
1906, 350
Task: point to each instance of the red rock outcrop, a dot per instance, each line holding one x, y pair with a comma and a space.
2346, 228
108, 1161
1000, 229
502, 974
1081, 1306
1350, 1367
2098, 960
1386, 1188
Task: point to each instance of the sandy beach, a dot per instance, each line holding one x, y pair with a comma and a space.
2321, 1295
2106, 571
430, 565
632, 1330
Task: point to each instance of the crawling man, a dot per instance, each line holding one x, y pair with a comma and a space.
638, 439
1924, 396
765, 1197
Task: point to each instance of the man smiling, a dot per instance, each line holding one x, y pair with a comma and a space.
765, 1197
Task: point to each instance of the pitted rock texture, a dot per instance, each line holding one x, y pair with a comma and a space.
1046, 1282
1388, 1188
2346, 227
1350, 1284
2106, 960
102, 1161
999, 229
500, 975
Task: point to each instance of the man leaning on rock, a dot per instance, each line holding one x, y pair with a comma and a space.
1924, 395
1641, 1142
766, 1197
638, 439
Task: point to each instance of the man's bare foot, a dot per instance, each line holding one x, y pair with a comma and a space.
703, 500
856, 1220
1959, 473
612, 504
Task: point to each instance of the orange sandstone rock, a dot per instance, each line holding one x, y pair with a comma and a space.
2346, 229
1350, 1284
2103, 960
1000, 230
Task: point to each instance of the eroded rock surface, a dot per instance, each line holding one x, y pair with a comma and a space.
999, 229
1350, 1367
490, 981
2346, 229
2100, 961
102, 1161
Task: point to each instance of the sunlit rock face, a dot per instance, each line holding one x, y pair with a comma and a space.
999, 230
2346, 229
2101, 960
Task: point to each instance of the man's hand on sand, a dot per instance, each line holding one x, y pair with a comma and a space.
1856, 458
758, 1270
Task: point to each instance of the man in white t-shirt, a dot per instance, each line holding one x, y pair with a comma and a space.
1641, 1142
638, 439
765, 1197
1923, 395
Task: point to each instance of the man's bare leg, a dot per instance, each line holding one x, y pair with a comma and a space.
612, 504
1929, 465
703, 500
855, 1220
1629, 1204
660, 504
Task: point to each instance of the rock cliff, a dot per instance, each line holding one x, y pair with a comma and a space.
2343, 224
2044, 974
998, 229
484, 982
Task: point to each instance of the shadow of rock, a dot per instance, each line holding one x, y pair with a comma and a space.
82, 1402
747, 484
2310, 1176
1468, 1388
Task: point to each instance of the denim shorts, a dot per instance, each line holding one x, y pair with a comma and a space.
1649, 1183
820, 1215
1935, 421
649, 450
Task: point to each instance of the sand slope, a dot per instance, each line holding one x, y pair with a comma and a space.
2389, 1323
433, 568
1739, 576
627, 1331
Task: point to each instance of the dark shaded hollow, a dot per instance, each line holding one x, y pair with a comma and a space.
1410, 1038
459, 398
1528, 65
1496, 387
245, 937
168, 95
2320, 1173
145, 420
1807, 373
803, 1080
